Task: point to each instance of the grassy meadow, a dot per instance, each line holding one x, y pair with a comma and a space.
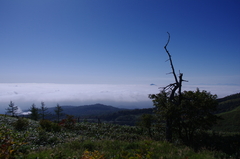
23, 138
27, 139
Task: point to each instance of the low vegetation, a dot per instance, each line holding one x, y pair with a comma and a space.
27, 138
69, 139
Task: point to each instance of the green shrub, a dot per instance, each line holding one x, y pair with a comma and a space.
49, 126
46, 138
90, 146
75, 145
92, 155
21, 124
56, 127
53, 140
10, 143
42, 138
46, 125
69, 122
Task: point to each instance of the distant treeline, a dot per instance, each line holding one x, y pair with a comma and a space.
122, 117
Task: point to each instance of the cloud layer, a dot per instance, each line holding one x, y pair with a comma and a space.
135, 96
24, 95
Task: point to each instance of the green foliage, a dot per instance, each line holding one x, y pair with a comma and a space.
89, 146
58, 111
92, 155
10, 143
46, 125
229, 143
34, 112
109, 141
45, 138
228, 103
58, 155
21, 124
196, 112
163, 107
43, 110
112, 149
230, 121
69, 122
193, 114
107, 114
147, 121
229, 109
49, 126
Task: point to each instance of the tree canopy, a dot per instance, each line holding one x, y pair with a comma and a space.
194, 114
12, 109
58, 109
34, 112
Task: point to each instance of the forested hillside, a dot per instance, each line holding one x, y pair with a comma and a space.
230, 121
85, 110
228, 103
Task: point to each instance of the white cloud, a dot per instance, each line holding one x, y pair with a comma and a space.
20, 112
25, 94
220, 90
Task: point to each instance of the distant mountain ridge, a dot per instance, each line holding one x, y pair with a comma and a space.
85, 110
226, 104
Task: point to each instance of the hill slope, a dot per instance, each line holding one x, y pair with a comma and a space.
229, 111
85, 110
228, 103
230, 122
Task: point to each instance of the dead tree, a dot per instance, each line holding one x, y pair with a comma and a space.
172, 88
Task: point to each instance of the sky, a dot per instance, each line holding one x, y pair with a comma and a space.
58, 44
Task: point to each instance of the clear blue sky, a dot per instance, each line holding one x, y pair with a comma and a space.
119, 41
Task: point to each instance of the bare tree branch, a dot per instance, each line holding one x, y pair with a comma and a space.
170, 58
177, 84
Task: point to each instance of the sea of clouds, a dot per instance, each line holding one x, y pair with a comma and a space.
25, 94
125, 96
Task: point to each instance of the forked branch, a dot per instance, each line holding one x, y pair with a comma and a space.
173, 87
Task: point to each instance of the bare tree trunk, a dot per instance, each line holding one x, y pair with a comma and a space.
173, 87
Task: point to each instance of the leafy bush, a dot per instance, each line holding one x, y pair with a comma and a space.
90, 146
10, 143
56, 127
42, 138
92, 155
21, 124
46, 125
49, 126
69, 122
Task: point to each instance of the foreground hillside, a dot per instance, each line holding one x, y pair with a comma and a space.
74, 138
24, 138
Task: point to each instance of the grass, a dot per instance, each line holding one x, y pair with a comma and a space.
90, 141
121, 149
